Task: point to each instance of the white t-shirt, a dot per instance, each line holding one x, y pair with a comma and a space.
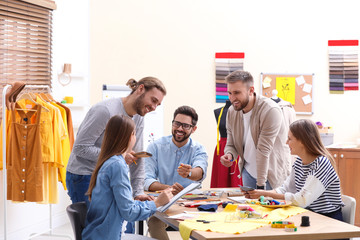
249, 147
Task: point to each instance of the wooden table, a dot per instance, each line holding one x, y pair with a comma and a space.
321, 227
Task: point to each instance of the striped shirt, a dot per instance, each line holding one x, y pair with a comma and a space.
314, 186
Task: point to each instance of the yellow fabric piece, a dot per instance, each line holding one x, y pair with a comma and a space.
230, 208
227, 222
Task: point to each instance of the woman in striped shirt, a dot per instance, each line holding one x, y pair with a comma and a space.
313, 182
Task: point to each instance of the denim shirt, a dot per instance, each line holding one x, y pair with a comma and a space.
112, 202
166, 158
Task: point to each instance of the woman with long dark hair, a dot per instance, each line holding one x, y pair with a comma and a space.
313, 182
110, 191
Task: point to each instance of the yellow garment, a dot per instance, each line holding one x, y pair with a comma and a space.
226, 222
65, 147
58, 131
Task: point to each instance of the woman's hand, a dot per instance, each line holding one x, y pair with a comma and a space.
255, 194
164, 197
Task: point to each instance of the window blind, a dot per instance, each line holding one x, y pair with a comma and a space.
25, 42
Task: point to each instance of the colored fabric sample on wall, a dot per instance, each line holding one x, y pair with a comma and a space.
226, 63
343, 65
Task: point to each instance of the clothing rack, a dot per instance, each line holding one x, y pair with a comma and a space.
32, 235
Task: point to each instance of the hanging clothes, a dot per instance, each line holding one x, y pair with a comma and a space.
24, 168
54, 146
222, 176
65, 145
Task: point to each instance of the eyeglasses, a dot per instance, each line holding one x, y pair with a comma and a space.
184, 125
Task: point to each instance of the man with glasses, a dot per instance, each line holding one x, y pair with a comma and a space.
176, 162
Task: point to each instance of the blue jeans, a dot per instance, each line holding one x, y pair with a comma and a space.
250, 181
78, 185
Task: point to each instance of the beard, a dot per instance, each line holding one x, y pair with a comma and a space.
139, 105
243, 104
181, 138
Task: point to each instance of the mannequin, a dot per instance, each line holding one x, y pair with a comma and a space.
286, 107
287, 110
222, 176
274, 96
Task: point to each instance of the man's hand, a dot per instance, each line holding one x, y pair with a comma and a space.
184, 170
130, 158
177, 187
144, 197
227, 160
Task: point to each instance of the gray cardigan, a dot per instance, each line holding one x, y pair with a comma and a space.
269, 133
90, 135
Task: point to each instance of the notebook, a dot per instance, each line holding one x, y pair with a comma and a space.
186, 190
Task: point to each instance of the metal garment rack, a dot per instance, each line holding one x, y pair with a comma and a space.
32, 235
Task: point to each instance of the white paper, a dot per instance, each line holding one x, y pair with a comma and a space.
239, 199
186, 190
307, 87
306, 99
300, 80
266, 85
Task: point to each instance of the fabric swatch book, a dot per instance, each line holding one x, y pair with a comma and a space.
186, 190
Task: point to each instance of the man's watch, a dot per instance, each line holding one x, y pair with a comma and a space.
189, 174
260, 187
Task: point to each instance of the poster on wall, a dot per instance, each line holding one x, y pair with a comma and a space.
343, 65
295, 88
226, 63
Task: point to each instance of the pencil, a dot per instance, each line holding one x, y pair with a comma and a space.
134, 162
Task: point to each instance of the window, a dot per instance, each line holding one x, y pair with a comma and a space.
25, 42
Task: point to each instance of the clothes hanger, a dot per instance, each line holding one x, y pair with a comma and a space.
27, 96
45, 97
48, 95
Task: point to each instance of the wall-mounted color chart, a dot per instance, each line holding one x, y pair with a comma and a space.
294, 88
226, 63
343, 65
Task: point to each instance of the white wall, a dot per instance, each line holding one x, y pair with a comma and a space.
70, 45
176, 42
